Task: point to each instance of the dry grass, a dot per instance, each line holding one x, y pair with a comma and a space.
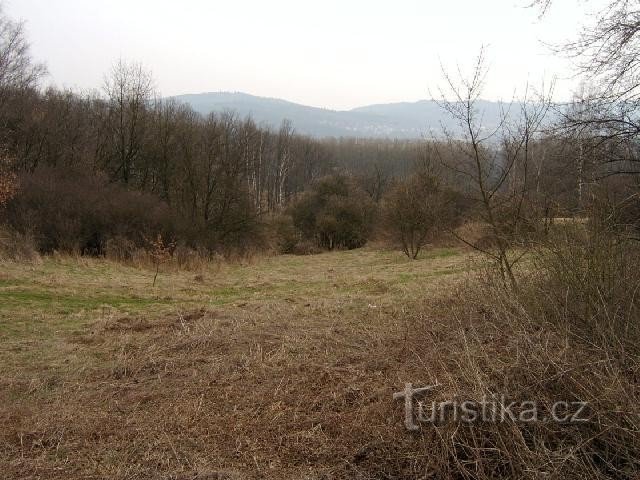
489, 346
282, 368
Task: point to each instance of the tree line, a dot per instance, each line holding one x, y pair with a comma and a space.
123, 165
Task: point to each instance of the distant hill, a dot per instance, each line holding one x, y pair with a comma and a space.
393, 120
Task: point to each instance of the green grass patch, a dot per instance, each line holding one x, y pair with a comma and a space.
67, 304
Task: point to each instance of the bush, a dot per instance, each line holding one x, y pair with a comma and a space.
334, 213
493, 347
232, 228
570, 333
75, 211
17, 247
588, 282
283, 234
415, 210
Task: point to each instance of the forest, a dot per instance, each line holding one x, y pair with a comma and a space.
102, 173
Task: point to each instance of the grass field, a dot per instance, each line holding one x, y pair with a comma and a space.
280, 368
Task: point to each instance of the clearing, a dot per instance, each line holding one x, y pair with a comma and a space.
280, 368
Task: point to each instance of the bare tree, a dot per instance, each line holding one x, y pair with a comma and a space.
496, 163
129, 89
413, 210
607, 107
163, 149
284, 161
607, 49
17, 68
19, 74
375, 182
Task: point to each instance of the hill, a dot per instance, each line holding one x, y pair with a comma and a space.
404, 120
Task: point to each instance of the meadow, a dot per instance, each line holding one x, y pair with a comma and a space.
278, 367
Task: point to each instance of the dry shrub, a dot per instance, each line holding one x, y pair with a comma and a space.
588, 282
190, 259
160, 251
415, 211
569, 333
120, 249
77, 211
306, 247
15, 246
475, 233
497, 346
282, 235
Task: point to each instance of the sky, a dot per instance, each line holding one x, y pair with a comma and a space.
337, 54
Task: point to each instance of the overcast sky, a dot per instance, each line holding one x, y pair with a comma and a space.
331, 53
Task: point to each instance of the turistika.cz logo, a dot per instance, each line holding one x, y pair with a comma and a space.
494, 409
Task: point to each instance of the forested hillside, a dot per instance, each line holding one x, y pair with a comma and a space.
409, 120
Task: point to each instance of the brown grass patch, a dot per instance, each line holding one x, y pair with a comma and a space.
295, 381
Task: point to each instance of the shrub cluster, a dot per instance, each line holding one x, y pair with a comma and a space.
417, 209
334, 213
74, 211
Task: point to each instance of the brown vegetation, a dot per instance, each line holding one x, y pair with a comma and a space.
417, 209
248, 374
8, 186
334, 213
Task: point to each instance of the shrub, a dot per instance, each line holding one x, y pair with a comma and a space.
588, 283
493, 346
570, 333
8, 186
17, 247
334, 213
283, 234
416, 209
75, 211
